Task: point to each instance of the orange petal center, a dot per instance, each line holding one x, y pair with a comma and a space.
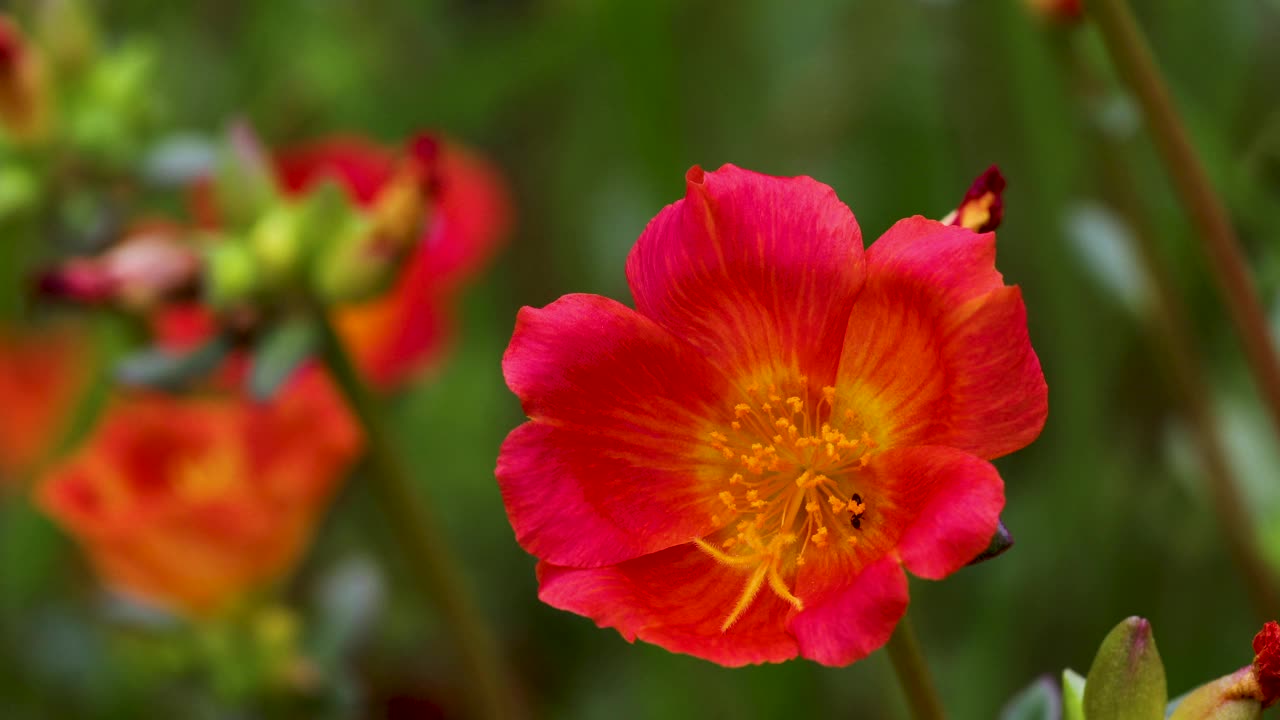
791, 485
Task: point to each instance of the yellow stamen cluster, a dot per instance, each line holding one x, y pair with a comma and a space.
790, 461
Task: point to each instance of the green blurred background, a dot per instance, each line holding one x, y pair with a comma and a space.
594, 110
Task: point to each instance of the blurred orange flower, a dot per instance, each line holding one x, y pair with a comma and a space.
41, 376
190, 502
399, 333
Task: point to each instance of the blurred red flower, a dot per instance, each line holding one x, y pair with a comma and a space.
740, 468
42, 374
191, 502
398, 334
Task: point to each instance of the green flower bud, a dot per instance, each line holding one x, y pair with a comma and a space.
1126, 681
278, 244
232, 274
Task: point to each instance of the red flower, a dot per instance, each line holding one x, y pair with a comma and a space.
192, 502
41, 376
397, 334
740, 468
1266, 663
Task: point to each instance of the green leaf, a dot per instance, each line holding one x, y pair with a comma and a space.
245, 182
279, 354
1072, 695
1126, 681
170, 371
1038, 701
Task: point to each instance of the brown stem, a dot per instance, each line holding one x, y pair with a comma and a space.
422, 539
1184, 364
1133, 59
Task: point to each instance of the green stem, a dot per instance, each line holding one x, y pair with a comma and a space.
1184, 364
1133, 59
421, 538
913, 673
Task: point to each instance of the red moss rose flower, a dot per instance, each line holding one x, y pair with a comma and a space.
395, 335
191, 502
740, 468
42, 373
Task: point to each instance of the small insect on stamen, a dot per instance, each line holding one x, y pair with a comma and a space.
856, 510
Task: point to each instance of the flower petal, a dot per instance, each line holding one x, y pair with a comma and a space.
677, 599
757, 272
360, 166
854, 619
937, 350
395, 335
615, 463
946, 503
473, 214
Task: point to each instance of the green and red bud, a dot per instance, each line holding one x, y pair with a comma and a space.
1227, 698
1244, 694
982, 208
1126, 681
364, 254
1266, 663
145, 268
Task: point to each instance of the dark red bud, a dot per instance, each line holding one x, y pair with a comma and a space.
982, 208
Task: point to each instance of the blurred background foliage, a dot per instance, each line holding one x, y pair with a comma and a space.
594, 110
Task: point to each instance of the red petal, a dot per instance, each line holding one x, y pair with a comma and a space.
854, 619
758, 272
937, 350
397, 334
945, 502
616, 462
473, 216
676, 599
405, 330
360, 166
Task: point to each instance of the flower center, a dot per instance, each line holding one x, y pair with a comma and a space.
790, 483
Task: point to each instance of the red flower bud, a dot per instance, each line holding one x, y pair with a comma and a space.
144, 268
982, 208
1266, 662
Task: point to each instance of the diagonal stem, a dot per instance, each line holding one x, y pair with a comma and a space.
1184, 363
421, 538
913, 673
1133, 59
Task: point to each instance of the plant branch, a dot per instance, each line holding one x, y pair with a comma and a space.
913, 673
421, 538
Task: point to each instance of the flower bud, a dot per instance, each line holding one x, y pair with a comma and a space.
1126, 681
66, 30
982, 208
232, 274
366, 256
278, 242
1266, 663
24, 96
1227, 698
141, 270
